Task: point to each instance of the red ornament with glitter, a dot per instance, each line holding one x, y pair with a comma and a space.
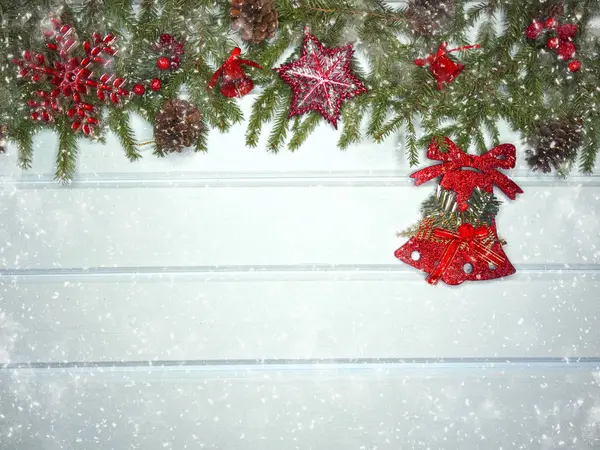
155, 85
468, 254
72, 78
322, 79
444, 69
470, 251
234, 82
463, 182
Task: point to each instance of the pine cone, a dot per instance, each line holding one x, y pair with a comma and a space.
256, 20
428, 16
553, 9
178, 124
555, 144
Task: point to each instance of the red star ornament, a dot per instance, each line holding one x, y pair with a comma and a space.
321, 79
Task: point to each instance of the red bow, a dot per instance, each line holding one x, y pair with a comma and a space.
464, 181
441, 67
467, 236
234, 82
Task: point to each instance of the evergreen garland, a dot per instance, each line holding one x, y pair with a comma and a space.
509, 79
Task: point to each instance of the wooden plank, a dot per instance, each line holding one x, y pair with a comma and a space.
299, 409
254, 226
188, 319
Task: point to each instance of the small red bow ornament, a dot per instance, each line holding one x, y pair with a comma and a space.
462, 182
234, 82
468, 254
444, 69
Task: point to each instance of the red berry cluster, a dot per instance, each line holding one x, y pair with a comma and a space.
173, 49
561, 42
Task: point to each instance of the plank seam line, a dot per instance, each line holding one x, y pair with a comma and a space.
256, 270
264, 179
490, 362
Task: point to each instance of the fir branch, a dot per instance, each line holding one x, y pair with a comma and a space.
390, 127
387, 17
118, 122
202, 141
280, 129
66, 157
263, 109
352, 114
24, 141
303, 130
443, 210
411, 142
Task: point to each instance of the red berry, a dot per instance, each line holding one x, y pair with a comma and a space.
534, 30
566, 50
553, 43
163, 63
574, 65
87, 129
178, 49
166, 39
155, 84
175, 62
551, 22
138, 89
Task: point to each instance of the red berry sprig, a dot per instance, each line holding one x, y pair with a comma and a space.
172, 51
562, 42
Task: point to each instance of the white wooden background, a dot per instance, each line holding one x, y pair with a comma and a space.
244, 300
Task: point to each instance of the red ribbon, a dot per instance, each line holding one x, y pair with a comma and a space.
468, 236
464, 181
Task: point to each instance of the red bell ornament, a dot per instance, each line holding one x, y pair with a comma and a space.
444, 69
234, 82
468, 254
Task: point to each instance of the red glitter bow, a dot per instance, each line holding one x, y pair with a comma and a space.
443, 68
234, 82
464, 181
468, 236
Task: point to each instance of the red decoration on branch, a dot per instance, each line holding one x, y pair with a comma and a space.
155, 85
322, 79
171, 50
464, 181
470, 254
467, 251
234, 82
441, 66
562, 41
73, 78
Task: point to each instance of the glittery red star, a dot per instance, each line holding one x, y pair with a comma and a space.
321, 79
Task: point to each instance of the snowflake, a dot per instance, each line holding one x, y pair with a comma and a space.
71, 78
